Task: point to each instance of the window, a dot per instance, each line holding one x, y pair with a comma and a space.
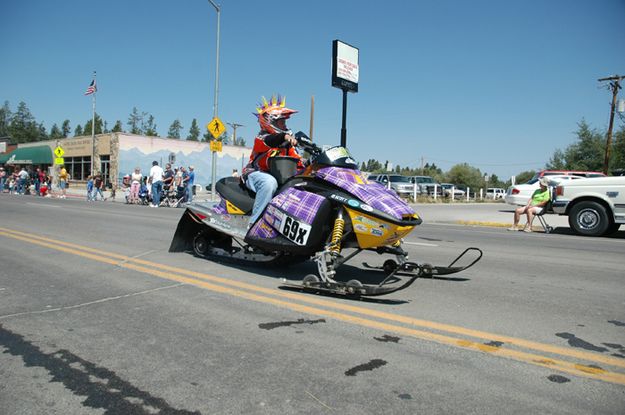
78, 167
105, 164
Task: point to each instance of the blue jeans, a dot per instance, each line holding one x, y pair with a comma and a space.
189, 193
265, 185
157, 187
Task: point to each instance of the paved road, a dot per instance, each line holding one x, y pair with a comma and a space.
97, 317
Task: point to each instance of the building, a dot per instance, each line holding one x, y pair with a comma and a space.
117, 154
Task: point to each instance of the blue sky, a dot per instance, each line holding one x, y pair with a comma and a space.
497, 84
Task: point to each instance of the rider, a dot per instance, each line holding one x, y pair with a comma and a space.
272, 140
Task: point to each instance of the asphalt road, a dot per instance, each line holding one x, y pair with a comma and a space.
97, 317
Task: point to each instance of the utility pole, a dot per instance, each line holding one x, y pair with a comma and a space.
614, 86
234, 126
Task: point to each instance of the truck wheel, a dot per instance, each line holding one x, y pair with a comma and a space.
613, 228
589, 219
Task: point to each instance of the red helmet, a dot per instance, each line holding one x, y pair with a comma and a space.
271, 115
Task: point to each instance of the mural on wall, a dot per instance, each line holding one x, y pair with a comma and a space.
140, 151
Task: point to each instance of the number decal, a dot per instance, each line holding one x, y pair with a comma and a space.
294, 230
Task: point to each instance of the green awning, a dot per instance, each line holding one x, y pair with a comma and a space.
4, 158
30, 155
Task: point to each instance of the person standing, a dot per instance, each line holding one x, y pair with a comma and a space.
190, 181
135, 184
63, 182
156, 180
90, 188
3, 177
22, 181
98, 183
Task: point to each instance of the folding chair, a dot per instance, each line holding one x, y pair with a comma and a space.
548, 208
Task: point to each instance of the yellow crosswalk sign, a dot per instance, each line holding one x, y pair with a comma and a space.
216, 127
58, 151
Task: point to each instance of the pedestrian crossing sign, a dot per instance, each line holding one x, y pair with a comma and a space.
216, 128
59, 160
59, 152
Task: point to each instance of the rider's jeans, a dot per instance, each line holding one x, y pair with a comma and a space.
265, 185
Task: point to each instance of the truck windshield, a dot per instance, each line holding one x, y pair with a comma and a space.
400, 179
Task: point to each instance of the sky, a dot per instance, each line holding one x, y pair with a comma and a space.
499, 85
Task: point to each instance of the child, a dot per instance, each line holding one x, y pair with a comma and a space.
43, 189
89, 188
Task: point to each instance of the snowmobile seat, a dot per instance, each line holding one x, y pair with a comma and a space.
234, 191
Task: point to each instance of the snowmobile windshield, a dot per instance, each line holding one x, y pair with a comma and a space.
335, 156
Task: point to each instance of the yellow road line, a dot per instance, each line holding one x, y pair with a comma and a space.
174, 274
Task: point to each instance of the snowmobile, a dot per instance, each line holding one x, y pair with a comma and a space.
316, 213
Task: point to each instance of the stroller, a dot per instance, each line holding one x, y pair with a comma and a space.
172, 196
144, 195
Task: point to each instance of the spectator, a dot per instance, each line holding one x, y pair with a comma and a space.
90, 192
156, 180
135, 185
22, 181
539, 198
190, 182
43, 189
63, 176
42, 179
3, 177
98, 184
168, 177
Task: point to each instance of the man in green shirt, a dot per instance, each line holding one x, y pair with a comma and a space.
539, 198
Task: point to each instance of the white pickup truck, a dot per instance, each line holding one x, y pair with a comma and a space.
595, 206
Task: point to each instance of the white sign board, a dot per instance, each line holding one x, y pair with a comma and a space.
345, 68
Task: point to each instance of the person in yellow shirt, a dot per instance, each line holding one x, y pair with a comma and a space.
63, 181
535, 205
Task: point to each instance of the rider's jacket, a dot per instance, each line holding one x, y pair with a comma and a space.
265, 146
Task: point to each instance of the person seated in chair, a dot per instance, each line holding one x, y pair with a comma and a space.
534, 206
272, 140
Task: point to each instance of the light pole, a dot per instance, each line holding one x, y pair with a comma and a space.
214, 160
614, 86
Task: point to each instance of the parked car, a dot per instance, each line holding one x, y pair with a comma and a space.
495, 193
427, 184
448, 187
595, 207
519, 194
579, 173
402, 185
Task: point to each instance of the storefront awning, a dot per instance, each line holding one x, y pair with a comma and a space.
30, 155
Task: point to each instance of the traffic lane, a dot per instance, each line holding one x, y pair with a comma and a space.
274, 359
550, 288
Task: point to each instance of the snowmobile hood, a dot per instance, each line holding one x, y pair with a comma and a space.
371, 193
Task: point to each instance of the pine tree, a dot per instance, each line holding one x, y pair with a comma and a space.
99, 126
55, 132
135, 121
174, 129
23, 127
117, 128
78, 131
65, 129
194, 131
5, 119
150, 127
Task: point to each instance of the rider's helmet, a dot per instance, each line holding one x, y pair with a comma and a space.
272, 115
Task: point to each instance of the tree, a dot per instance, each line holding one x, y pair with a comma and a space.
466, 175
42, 133
586, 154
525, 176
135, 121
194, 131
149, 128
78, 131
117, 128
617, 162
23, 127
55, 132
98, 126
174, 129
65, 129
5, 119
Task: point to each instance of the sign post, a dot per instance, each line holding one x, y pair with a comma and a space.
216, 128
345, 73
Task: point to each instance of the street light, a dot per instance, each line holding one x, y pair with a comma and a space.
214, 161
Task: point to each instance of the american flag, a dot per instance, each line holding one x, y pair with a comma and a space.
91, 89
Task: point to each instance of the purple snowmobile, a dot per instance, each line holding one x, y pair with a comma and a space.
317, 213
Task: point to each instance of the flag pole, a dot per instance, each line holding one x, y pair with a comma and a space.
93, 129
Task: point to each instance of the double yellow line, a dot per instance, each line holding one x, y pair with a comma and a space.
571, 361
